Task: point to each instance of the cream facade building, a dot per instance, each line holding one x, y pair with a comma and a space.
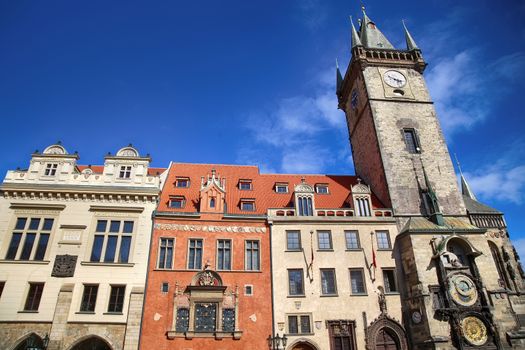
335, 284
74, 246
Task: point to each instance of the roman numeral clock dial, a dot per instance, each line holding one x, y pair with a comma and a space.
394, 79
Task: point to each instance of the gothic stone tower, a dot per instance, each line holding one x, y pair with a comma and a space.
450, 294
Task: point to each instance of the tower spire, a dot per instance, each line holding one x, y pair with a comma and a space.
338, 77
411, 43
465, 188
355, 37
371, 37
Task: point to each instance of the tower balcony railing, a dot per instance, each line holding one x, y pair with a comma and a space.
338, 212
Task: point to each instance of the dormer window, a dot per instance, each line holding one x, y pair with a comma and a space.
212, 202
362, 206
248, 204
245, 184
304, 206
321, 188
125, 172
281, 188
182, 182
51, 169
362, 199
177, 202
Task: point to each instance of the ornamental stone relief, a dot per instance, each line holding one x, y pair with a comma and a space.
240, 229
64, 266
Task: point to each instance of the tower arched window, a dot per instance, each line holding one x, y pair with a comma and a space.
496, 256
363, 206
212, 202
304, 206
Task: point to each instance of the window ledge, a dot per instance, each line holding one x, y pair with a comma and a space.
354, 249
37, 262
218, 335
359, 294
329, 295
28, 312
112, 313
384, 249
297, 296
91, 263
325, 250
392, 293
293, 250
85, 312
298, 334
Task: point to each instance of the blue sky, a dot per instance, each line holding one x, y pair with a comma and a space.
252, 82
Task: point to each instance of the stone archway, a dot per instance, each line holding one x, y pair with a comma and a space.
303, 346
386, 340
32, 339
385, 333
91, 343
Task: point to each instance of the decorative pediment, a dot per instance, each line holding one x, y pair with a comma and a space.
57, 149
207, 278
303, 187
128, 151
213, 180
360, 188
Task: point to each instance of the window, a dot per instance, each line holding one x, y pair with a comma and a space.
165, 287
195, 254
212, 202
324, 240
357, 281
248, 289
165, 253
51, 169
205, 317
362, 205
125, 172
305, 206
321, 188
328, 282
183, 320
295, 282
352, 239
29, 231
383, 240
2, 285
89, 298
342, 335
33, 296
247, 204
293, 240
389, 280
224, 254
281, 188
245, 184
252, 255
299, 324
116, 299
112, 241
177, 202
411, 140
182, 182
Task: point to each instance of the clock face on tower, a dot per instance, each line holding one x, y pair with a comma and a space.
394, 79
463, 290
474, 330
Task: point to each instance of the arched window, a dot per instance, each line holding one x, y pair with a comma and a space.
503, 280
212, 202
305, 207
460, 248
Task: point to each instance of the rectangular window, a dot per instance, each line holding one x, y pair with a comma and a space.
299, 324
51, 169
165, 253
182, 182
295, 282
116, 299
357, 281
248, 289
389, 280
324, 240
383, 240
305, 206
293, 240
177, 202
411, 140
321, 188
252, 255
328, 282
112, 242
183, 320
30, 239
281, 188
205, 317
195, 254
165, 287
362, 206
125, 172
33, 296
352, 239
89, 298
2, 285
245, 184
224, 254
247, 204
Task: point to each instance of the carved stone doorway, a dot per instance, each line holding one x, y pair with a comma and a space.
385, 340
92, 343
303, 346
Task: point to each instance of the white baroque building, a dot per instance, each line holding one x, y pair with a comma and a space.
74, 246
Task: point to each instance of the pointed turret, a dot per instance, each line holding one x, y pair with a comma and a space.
465, 188
411, 44
339, 78
371, 37
355, 37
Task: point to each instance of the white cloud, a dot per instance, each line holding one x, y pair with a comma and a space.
519, 244
503, 184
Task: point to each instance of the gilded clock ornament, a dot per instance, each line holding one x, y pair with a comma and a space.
474, 330
463, 290
394, 79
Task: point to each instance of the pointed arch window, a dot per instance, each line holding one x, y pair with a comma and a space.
305, 206
362, 206
496, 256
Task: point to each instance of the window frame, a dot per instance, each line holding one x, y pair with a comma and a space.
84, 309
324, 186
363, 279
244, 201
2, 287
382, 247
108, 236
179, 180
35, 298
299, 247
243, 182
389, 290
298, 317
414, 148
281, 185
165, 260
305, 205
125, 172
229, 250
33, 248
177, 199
327, 293
302, 292
201, 248
248, 267
122, 296
51, 169
329, 232
357, 240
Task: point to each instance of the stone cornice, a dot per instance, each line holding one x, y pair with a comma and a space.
39, 206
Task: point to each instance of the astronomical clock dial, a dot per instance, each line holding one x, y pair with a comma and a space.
474, 330
394, 79
463, 290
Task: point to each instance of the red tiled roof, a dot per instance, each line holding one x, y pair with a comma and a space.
99, 169
263, 188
